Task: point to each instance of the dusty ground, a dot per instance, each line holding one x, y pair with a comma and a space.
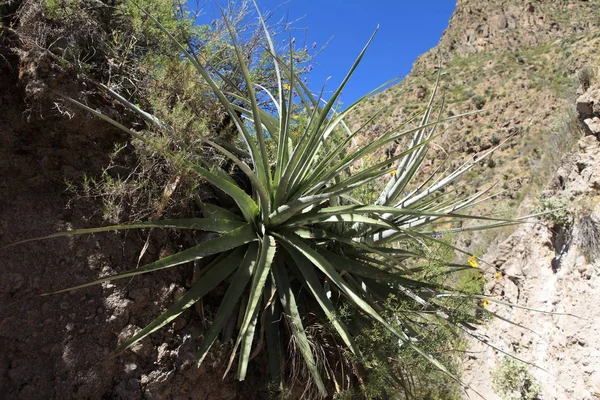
566, 346
57, 347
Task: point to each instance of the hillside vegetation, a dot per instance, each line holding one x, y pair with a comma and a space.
519, 66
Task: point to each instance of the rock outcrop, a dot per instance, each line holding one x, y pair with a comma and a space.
518, 67
588, 107
551, 271
479, 26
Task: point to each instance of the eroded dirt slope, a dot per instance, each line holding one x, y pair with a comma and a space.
58, 346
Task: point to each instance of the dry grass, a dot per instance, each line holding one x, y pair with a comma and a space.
587, 237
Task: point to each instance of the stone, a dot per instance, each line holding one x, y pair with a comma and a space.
584, 108
498, 22
143, 348
588, 103
586, 271
130, 367
593, 124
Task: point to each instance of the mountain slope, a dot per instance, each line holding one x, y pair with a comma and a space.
517, 65
521, 66
477, 27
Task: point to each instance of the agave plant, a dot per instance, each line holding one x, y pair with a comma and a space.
299, 234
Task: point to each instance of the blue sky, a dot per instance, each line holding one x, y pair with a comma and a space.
406, 30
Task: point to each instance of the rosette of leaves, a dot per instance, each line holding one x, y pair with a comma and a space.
297, 237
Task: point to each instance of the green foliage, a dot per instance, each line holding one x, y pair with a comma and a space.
512, 381
114, 44
135, 57
396, 371
557, 209
586, 77
54, 8
478, 101
296, 252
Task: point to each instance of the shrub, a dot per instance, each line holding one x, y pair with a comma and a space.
586, 76
556, 209
512, 381
115, 43
136, 58
478, 101
416, 379
306, 264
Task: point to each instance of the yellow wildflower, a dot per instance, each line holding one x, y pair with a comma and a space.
498, 275
486, 302
294, 116
286, 86
394, 172
473, 262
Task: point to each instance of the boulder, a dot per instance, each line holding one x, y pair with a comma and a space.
588, 104
593, 124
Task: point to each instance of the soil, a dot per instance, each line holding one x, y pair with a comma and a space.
58, 346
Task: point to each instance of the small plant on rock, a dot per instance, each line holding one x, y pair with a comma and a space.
586, 77
555, 211
512, 381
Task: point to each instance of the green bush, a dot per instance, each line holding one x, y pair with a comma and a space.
114, 44
512, 381
586, 77
133, 56
478, 101
557, 211
414, 378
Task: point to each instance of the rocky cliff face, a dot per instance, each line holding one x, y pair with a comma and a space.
588, 107
553, 269
527, 66
549, 266
500, 25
